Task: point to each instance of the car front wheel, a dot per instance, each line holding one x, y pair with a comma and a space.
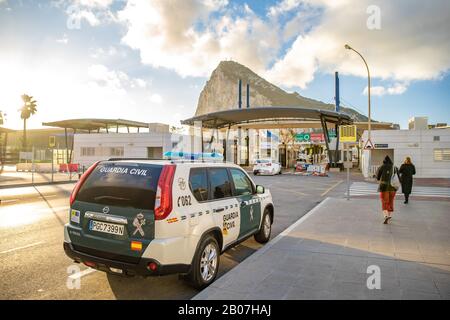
264, 232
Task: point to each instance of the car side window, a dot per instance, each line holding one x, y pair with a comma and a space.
219, 182
198, 182
242, 184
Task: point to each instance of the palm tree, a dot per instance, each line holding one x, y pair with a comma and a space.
26, 111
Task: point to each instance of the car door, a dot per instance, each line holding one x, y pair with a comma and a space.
223, 205
249, 204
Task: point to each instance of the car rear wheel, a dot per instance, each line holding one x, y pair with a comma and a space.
264, 232
206, 263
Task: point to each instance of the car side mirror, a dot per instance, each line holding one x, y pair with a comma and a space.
260, 189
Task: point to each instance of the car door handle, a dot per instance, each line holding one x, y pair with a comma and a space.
219, 209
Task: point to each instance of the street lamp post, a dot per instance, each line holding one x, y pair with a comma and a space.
368, 91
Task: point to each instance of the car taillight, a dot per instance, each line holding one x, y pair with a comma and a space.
81, 181
163, 201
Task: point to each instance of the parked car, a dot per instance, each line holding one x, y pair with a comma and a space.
150, 218
266, 166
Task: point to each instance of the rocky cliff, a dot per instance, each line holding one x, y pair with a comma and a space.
221, 92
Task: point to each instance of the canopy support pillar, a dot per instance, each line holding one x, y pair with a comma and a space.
326, 136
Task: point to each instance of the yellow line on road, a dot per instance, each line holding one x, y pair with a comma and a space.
331, 188
293, 191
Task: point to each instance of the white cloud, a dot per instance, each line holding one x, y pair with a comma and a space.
413, 43
156, 98
95, 3
396, 89
87, 15
63, 40
192, 36
117, 81
184, 36
283, 7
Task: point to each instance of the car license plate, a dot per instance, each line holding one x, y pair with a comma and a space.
106, 227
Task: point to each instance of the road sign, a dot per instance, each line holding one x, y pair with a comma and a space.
51, 141
368, 145
347, 133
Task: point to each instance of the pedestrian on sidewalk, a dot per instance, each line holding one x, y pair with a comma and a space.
387, 176
406, 171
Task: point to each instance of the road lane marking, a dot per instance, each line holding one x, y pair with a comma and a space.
293, 191
81, 274
24, 247
332, 187
8, 201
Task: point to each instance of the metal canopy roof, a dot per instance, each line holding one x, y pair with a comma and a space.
95, 124
279, 115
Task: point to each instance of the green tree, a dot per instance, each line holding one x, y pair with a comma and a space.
26, 111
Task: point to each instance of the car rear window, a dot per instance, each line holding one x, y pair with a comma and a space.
122, 184
198, 182
219, 182
262, 161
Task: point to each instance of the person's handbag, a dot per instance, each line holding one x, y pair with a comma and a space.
395, 181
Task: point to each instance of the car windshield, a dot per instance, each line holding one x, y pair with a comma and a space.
122, 184
263, 161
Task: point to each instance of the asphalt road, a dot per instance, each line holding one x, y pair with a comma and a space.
33, 264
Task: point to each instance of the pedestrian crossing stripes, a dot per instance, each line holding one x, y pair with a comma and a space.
365, 188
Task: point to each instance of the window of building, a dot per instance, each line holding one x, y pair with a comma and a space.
220, 183
116, 151
436, 138
442, 154
87, 151
198, 182
154, 152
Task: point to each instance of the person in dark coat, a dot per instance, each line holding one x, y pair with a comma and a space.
407, 170
387, 191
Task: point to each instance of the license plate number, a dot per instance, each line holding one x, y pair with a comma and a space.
106, 227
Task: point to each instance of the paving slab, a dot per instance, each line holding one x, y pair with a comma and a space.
331, 252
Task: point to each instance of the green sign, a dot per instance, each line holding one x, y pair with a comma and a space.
306, 136
303, 137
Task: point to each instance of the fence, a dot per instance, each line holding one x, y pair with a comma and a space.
35, 166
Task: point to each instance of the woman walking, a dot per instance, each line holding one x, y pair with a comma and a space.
407, 170
385, 176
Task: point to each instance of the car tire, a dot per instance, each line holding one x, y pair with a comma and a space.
255, 173
205, 264
264, 232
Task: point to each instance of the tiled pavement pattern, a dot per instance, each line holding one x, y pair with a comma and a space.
326, 254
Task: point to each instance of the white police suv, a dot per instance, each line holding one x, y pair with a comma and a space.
149, 217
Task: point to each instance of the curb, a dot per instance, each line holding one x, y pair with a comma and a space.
270, 244
37, 184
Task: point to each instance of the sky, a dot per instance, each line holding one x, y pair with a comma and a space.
148, 60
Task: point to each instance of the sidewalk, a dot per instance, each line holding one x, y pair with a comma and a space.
326, 253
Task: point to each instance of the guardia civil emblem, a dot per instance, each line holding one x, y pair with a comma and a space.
139, 222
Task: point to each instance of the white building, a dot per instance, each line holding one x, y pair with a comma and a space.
89, 148
429, 150
418, 123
